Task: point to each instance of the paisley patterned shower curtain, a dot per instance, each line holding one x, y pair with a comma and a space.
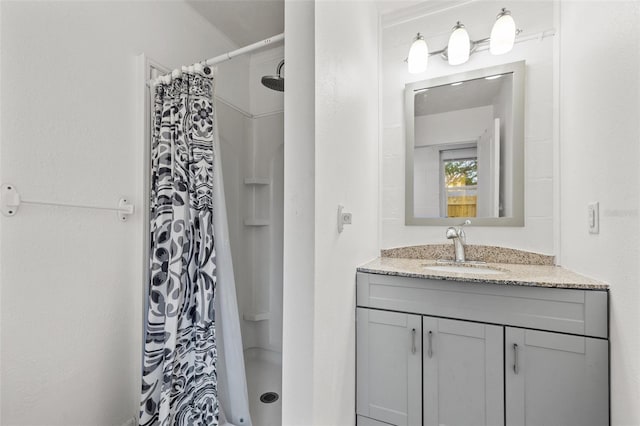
179, 383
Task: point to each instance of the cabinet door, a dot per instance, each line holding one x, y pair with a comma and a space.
555, 379
463, 373
389, 349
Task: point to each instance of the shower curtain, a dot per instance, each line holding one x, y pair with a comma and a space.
193, 366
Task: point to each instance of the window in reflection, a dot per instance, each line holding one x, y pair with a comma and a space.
459, 182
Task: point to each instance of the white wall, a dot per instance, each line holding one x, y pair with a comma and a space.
533, 17
426, 181
1, 227
299, 214
258, 250
72, 279
346, 173
267, 161
236, 135
465, 125
600, 138
331, 158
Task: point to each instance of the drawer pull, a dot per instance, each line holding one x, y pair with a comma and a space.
516, 368
430, 350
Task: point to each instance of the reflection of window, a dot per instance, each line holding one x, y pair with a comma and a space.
459, 190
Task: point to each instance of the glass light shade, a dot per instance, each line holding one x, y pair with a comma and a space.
418, 56
459, 45
503, 34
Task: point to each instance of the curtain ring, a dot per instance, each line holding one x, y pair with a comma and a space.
205, 69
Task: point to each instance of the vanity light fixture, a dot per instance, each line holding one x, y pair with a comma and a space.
418, 55
503, 33
460, 46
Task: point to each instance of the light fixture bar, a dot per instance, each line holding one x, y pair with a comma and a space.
537, 36
483, 43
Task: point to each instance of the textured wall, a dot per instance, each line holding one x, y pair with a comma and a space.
331, 158
72, 279
600, 138
299, 214
346, 173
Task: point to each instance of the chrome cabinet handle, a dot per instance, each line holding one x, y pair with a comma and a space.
430, 350
516, 368
413, 341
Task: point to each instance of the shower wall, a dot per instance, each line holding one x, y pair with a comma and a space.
253, 164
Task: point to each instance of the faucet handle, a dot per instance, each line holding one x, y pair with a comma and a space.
452, 233
458, 232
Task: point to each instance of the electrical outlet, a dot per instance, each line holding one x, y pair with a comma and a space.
593, 217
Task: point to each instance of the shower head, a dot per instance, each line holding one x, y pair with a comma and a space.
275, 82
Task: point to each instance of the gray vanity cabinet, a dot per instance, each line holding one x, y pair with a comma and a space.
463, 373
389, 367
432, 352
559, 378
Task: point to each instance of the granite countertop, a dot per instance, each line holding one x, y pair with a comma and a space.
532, 275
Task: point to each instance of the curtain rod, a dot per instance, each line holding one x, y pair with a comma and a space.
250, 48
246, 49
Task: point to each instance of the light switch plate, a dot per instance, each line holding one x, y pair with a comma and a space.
344, 218
593, 217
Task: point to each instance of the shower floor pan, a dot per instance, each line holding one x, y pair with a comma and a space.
264, 378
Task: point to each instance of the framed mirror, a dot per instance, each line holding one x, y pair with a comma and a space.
465, 148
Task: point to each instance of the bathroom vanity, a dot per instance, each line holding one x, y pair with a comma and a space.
507, 344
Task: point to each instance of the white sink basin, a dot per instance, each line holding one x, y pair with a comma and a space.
469, 269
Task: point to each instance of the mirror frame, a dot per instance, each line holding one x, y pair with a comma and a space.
518, 70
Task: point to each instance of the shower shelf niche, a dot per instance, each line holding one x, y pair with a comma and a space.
257, 316
256, 222
257, 181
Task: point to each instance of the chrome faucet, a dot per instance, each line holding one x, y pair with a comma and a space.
459, 239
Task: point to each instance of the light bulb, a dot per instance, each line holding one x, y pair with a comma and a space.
459, 45
503, 33
418, 55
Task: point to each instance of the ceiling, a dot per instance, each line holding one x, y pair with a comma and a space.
470, 94
248, 21
243, 21
393, 6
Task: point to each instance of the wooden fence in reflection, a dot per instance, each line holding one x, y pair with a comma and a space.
462, 206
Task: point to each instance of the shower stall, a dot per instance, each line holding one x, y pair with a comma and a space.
252, 145
249, 110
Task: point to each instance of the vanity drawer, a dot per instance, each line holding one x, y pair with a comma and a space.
582, 312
